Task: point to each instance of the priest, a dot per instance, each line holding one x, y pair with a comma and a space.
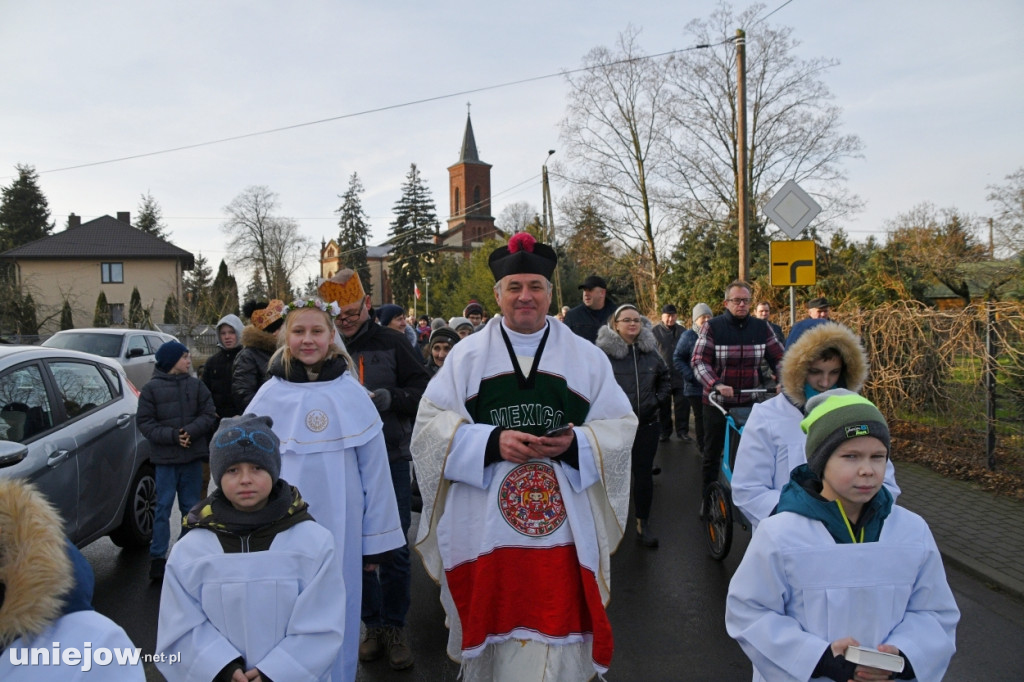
522, 451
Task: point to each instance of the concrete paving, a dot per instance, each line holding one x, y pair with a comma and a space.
976, 531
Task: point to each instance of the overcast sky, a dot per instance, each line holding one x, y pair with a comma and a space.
934, 89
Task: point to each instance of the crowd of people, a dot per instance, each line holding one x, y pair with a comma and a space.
529, 438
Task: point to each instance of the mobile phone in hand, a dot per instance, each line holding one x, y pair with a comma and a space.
558, 431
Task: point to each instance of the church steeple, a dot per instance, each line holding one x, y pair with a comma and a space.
469, 153
469, 187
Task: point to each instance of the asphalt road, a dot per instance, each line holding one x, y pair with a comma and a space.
667, 607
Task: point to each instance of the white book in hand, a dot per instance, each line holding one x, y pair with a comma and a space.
873, 658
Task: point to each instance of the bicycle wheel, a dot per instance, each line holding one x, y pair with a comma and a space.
717, 520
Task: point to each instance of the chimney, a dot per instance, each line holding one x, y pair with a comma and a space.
74, 221
125, 217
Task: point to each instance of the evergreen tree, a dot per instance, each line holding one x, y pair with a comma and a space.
149, 218
354, 230
171, 310
101, 317
414, 225
24, 211
224, 293
198, 283
257, 290
28, 324
135, 309
66, 319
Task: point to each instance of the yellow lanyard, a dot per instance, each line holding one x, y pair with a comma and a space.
849, 528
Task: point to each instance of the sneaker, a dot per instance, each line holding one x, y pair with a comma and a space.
684, 437
399, 653
372, 648
156, 569
644, 535
664, 437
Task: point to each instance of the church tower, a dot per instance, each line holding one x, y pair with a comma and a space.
469, 194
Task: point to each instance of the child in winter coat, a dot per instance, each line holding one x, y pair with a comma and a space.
840, 565
333, 450
828, 356
46, 599
176, 414
254, 592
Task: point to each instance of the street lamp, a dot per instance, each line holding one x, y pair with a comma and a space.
549, 221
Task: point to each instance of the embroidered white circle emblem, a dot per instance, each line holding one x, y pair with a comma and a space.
316, 420
530, 500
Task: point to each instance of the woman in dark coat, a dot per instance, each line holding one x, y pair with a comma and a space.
628, 341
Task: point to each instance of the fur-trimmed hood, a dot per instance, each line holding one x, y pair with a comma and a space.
252, 337
34, 564
616, 347
801, 354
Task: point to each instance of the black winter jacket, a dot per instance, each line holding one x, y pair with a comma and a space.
668, 339
250, 369
585, 322
383, 358
169, 402
639, 370
217, 375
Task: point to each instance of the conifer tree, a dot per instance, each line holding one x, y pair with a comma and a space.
101, 316
24, 211
135, 309
224, 293
171, 310
28, 323
354, 231
66, 319
411, 232
197, 290
149, 217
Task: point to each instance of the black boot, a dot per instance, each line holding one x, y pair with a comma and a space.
643, 534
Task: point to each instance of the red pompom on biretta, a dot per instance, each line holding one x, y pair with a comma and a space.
521, 240
523, 255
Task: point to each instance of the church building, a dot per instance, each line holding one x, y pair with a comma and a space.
470, 222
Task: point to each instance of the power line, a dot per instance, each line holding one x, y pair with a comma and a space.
389, 107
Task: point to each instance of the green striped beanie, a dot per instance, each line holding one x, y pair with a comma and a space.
836, 416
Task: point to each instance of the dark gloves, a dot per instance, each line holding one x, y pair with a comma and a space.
834, 667
381, 399
228, 671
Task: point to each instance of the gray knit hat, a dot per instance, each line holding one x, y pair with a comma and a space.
700, 309
836, 416
245, 439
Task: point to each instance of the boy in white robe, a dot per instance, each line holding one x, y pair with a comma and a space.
254, 591
840, 565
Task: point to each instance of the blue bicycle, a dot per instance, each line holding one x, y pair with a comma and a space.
719, 512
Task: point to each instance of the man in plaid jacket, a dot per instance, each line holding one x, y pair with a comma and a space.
727, 357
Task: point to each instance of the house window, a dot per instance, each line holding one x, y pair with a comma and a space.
116, 313
112, 273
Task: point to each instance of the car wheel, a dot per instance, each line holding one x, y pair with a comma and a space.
136, 529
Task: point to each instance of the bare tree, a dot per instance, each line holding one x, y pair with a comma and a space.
517, 215
270, 244
1008, 220
794, 129
615, 131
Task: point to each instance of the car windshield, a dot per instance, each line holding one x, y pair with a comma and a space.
104, 345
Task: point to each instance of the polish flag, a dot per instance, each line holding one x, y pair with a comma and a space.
416, 290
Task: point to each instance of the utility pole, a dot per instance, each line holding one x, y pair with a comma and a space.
742, 193
549, 222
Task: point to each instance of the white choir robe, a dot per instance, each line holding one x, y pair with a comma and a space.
281, 609
797, 591
332, 450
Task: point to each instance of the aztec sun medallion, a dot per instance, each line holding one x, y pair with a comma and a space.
530, 500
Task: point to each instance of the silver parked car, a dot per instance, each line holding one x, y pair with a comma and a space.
67, 424
135, 349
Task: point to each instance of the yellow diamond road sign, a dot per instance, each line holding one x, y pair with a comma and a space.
793, 263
